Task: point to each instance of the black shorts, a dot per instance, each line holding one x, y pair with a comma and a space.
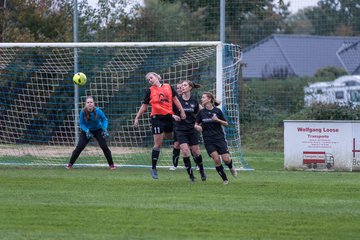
160, 124
191, 137
219, 146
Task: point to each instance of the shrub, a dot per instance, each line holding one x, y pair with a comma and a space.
330, 73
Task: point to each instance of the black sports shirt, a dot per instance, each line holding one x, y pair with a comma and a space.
211, 130
191, 108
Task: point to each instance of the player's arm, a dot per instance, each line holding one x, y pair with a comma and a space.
222, 122
83, 127
197, 125
220, 119
104, 120
176, 117
142, 109
104, 123
178, 105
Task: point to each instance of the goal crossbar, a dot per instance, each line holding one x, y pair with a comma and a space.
110, 44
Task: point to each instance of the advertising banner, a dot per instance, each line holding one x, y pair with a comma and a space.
322, 145
356, 147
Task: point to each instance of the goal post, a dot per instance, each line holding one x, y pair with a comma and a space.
37, 110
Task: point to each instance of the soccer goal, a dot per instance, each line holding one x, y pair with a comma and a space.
39, 102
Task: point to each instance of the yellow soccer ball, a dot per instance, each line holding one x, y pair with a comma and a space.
79, 78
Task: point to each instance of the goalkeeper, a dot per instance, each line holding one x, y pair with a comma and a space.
93, 123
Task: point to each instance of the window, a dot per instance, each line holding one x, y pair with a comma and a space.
339, 94
355, 96
351, 83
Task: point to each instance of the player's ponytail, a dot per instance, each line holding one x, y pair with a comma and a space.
212, 99
192, 84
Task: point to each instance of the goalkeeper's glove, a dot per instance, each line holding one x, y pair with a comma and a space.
105, 134
89, 135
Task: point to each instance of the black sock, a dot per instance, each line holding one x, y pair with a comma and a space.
154, 157
230, 165
193, 157
187, 164
220, 170
199, 162
175, 159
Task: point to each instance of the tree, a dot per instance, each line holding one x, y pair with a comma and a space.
110, 20
262, 22
168, 21
335, 17
298, 23
52, 20
246, 21
36, 21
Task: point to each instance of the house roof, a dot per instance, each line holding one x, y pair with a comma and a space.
349, 56
300, 55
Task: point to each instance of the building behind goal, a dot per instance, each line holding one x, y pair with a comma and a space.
39, 111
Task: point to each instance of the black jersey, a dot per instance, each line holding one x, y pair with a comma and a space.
211, 130
191, 108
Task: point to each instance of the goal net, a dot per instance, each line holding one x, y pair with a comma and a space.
39, 104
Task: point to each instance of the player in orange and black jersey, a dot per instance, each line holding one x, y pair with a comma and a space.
209, 121
161, 97
187, 135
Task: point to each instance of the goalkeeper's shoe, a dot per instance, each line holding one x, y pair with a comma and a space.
112, 167
69, 166
226, 182
154, 174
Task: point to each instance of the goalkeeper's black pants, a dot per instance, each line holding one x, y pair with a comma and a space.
83, 141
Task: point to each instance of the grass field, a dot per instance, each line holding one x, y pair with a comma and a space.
95, 203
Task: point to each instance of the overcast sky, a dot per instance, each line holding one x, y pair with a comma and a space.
294, 7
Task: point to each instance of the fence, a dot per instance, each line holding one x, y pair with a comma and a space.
285, 46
